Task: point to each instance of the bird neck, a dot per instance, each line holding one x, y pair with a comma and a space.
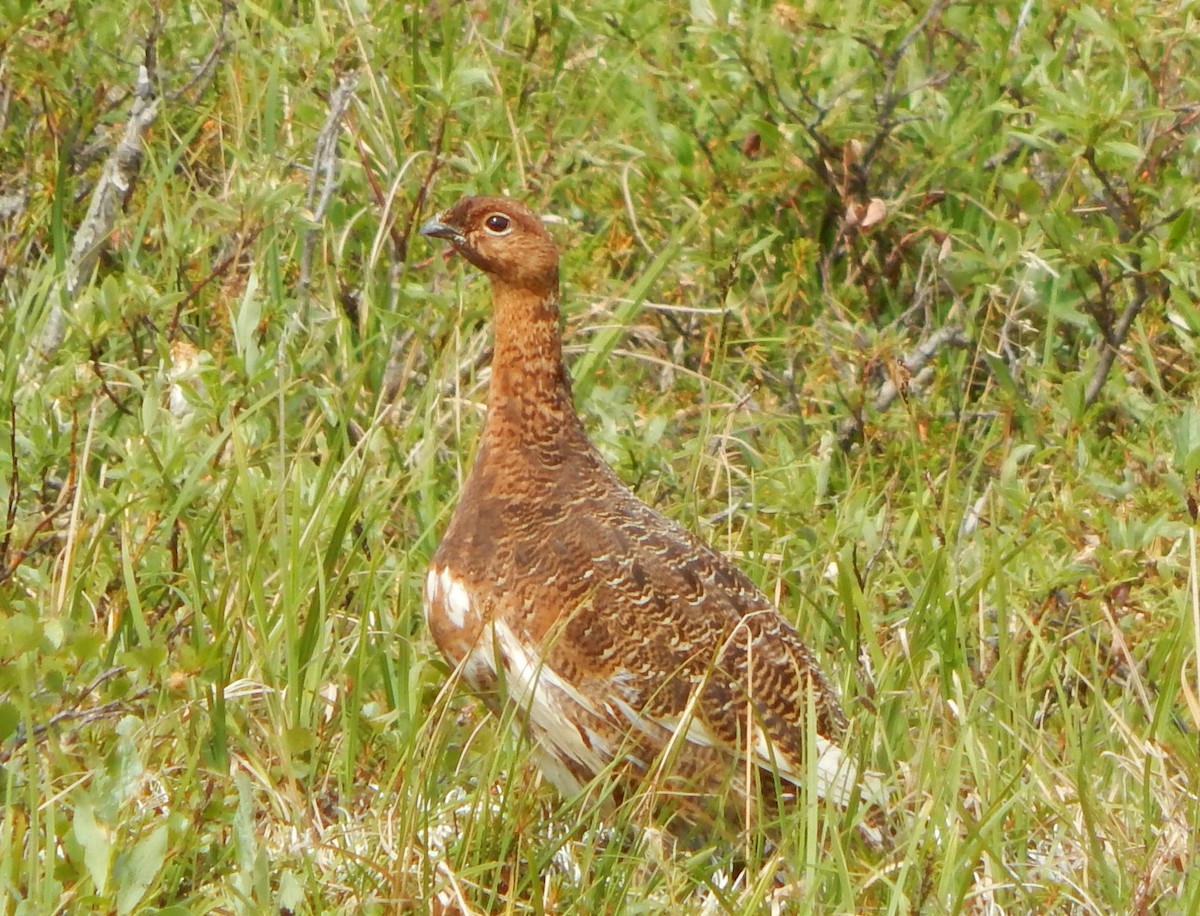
530, 395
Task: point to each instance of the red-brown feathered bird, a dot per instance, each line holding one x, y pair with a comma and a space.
628, 646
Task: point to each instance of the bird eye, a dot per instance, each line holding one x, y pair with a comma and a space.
498, 224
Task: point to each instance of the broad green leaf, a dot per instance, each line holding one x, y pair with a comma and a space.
97, 847
137, 871
1130, 151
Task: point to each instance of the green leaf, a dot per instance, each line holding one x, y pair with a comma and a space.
10, 718
97, 847
291, 894
1187, 313
245, 840
137, 871
245, 325
1098, 24
465, 78
1130, 151
299, 740
1187, 442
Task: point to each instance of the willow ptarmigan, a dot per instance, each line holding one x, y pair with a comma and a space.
628, 646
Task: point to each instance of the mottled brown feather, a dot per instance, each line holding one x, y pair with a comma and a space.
617, 620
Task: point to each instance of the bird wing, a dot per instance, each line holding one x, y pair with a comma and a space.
665, 638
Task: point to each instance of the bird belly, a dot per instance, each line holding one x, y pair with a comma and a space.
451, 614
571, 742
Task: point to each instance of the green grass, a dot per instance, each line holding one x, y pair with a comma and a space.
216, 689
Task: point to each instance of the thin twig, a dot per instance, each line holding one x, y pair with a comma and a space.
82, 716
1114, 339
1124, 214
394, 372
204, 72
891, 98
418, 203
935, 10
108, 392
222, 267
381, 199
397, 369
1120, 208
14, 488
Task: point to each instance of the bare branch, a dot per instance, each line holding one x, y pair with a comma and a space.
1113, 339
1119, 206
1014, 43
934, 11
323, 176
116, 181
914, 364
203, 73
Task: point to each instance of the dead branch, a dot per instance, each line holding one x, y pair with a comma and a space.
913, 365
115, 183
203, 73
322, 177
1113, 339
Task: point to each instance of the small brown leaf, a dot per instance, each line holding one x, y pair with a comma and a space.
944, 251
876, 211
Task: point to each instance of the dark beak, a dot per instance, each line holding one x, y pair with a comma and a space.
435, 228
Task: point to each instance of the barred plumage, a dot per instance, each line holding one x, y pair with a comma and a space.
627, 644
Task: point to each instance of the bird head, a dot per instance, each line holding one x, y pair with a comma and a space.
503, 238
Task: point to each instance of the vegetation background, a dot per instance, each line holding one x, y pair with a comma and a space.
895, 302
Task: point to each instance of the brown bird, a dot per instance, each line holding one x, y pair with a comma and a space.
628, 646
